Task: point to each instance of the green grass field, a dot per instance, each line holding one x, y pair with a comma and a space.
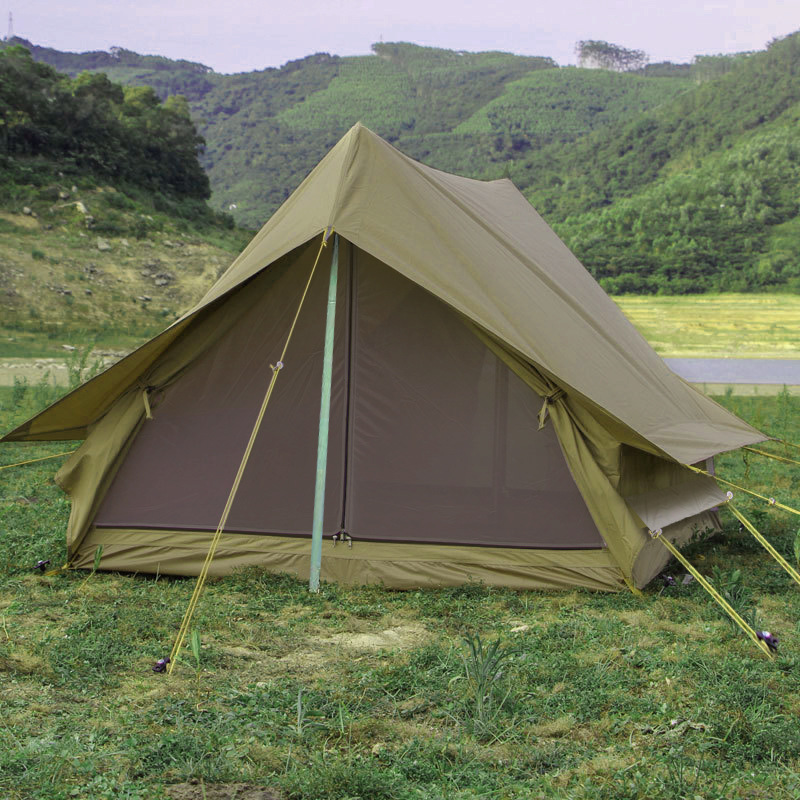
370, 693
717, 325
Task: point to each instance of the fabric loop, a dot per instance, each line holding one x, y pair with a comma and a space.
557, 394
146, 389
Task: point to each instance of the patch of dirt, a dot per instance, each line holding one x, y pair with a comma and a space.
243, 652
400, 637
194, 790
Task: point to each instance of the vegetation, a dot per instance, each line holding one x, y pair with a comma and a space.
91, 124
710, 229
91, 260
701, 186
717, 326
103, 214
604, 55
460, 692
666, 179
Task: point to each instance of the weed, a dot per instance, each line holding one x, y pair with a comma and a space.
731, 586
304, 721
484, 666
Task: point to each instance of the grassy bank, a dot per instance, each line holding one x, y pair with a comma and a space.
370, 693
718, 325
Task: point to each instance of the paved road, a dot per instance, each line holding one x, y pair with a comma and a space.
782, 371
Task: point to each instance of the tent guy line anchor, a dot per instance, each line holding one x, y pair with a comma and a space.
201, 579
705, 583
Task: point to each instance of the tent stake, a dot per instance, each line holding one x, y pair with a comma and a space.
324, 419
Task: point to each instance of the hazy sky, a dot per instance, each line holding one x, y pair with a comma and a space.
242, 35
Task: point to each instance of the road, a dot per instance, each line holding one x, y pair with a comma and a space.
780, 371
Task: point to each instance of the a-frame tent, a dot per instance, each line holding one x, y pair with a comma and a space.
494, 416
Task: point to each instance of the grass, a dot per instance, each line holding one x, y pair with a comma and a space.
585, 695
717, 325
688, 326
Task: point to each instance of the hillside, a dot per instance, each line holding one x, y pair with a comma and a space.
678, 178
103, 214
471, 113
60, 278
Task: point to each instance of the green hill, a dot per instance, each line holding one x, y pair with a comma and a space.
699, 193
103, 216
633, 169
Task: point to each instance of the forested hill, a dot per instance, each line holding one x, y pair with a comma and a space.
673, 178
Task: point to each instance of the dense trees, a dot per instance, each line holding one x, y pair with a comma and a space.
604, 55
89, 123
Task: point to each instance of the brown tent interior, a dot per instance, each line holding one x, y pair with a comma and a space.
433, 438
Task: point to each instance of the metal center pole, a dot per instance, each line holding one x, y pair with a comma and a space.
324, 421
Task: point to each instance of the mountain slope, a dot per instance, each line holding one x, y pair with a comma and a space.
629, 167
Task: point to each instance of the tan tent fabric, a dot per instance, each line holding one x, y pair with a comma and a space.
427, 259
662, 507
402, 566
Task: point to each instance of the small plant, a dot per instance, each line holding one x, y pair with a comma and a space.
37, 254
732, 588
195, 645
98, 556
79, 366
304, 721
194, 641
484, 665
691, 778
797, 547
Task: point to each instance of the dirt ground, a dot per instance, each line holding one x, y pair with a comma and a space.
195, 790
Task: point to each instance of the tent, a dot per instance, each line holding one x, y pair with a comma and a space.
494, 416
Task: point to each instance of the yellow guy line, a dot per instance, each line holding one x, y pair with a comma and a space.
729, 610
201, 578
771, 500
787, 444
764, 543
34, 460
772, 455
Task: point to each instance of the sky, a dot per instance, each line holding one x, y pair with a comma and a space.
244, 35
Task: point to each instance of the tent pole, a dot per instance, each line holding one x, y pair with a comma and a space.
324, 420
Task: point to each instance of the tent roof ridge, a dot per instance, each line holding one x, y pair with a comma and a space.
349, 157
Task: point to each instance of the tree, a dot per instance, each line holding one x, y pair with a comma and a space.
603, 55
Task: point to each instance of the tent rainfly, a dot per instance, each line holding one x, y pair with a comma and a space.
494, 417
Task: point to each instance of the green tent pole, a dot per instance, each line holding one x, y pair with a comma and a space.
324, 419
